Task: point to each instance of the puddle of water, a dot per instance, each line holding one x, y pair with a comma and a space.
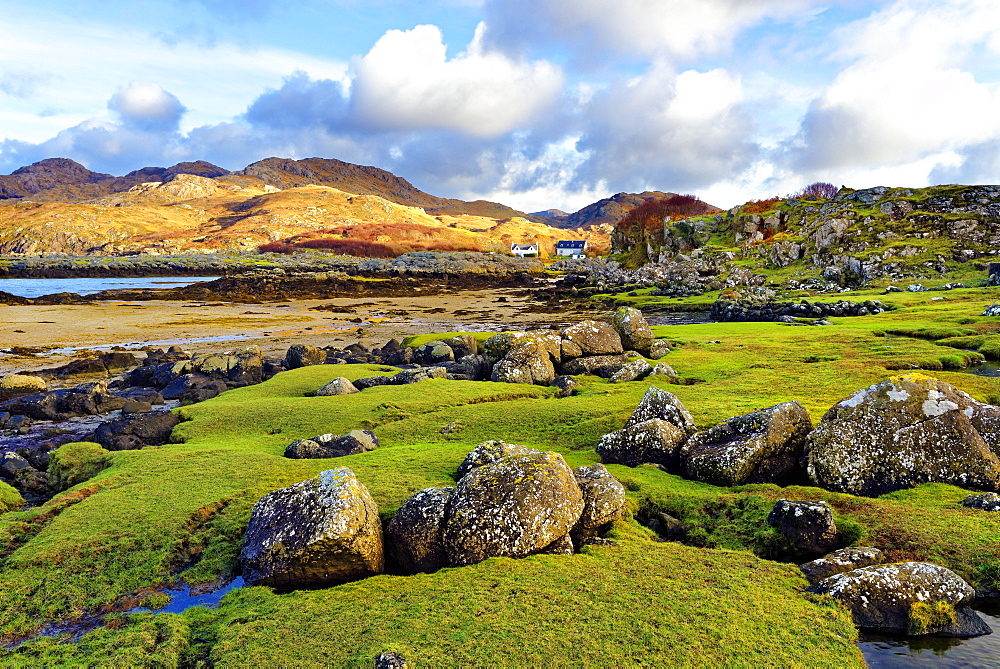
990, 369
89, 286
187, 597
892, 652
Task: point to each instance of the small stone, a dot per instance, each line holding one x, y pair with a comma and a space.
339, 386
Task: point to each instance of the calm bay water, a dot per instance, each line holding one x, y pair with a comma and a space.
889, 652
89, 286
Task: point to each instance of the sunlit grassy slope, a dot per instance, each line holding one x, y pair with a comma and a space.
178, 512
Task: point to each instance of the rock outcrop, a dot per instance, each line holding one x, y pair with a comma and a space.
840, 561
809, 527
603, 502
904, 431
332, 446
414, 536
654, 433
319, 532
633, 330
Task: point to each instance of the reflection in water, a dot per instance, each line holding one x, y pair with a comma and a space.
891, 652
984, 369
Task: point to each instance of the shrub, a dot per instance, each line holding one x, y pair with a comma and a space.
817, 191
760, 206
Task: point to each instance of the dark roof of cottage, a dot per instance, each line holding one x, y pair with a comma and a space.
571, 243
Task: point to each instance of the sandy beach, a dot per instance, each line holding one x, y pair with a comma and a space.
49, 335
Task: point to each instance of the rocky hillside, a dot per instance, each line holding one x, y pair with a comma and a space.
855, 237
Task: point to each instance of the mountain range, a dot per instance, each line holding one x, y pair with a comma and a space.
59, 206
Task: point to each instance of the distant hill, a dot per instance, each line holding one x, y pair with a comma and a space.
611, 209
551, 213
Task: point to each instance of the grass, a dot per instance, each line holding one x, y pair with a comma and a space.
10, 498
155, 516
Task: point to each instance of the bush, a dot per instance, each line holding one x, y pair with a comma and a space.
760, 206
817, 191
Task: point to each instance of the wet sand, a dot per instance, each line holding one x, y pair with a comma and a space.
66, 332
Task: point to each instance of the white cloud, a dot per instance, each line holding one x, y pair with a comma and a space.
146, 106
909, 92
646, 28
406, 81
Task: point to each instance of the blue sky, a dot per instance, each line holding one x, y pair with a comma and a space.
534, 103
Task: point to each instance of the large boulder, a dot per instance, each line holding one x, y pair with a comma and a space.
303, 355
906, 598
417, 375
239, 367
469, 368
809, 527
489, 452
414, 536
840, 561
433, 353
654, 433
463, 345
631, 371
514, 507
633, 329
527, 362
904, 431
339, 386
760, 447
135, 431
594, 338
598, 365
603, 501
319, 532
332, 446
16, 385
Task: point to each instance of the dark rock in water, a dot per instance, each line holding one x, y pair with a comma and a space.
11, 463
566, 384
414, 536
906, 430
760, 447
339, 386
136, 431
319, 532
489, 452
32, 484
808, 526
914, 598
514, 507
987, 501
302, 355
603, 501
839, 561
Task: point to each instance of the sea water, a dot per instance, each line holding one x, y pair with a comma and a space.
89, 286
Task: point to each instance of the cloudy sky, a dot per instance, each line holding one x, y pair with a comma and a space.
534, 103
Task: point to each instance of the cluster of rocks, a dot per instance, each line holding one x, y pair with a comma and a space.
332, 446
895, 434
725, 310
509, 501
764, 446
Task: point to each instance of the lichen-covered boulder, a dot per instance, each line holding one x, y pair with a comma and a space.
469, 368
499, 345
633, 329
303, 355
322, 531
414, 536
339, 386
16, 385
655, 441
598, 365
417, 375
594, 338
631, 371
514, 507
239, 367
463, 345
841, 560
664, 370
332, 446
432, 353
906, 598
566, 384
987, 501
760, 447
489, 452
809, 527
603, 501
904, 431
657, 403
658, 349
527, 362
135, 431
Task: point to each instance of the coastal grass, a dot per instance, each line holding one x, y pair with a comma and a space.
177, 512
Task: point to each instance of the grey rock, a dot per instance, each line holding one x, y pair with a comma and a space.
303, 355
566, 384
633, 329
809, 527
415, 535
632, 371
987, 501
840, 561
489, 452
339, 386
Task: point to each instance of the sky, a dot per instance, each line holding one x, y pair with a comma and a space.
537, 104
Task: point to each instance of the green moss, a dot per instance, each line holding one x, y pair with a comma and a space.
75, 463
10, 499
415, 341
929, 617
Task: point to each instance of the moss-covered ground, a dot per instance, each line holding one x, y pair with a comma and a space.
159, 515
